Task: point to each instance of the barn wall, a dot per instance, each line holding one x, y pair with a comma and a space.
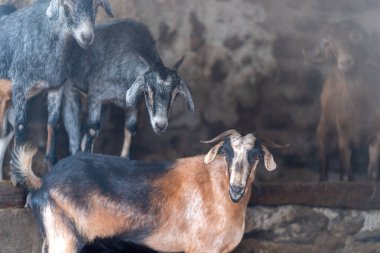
245, 68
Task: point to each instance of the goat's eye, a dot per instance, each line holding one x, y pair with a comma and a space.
260, 155
222, 152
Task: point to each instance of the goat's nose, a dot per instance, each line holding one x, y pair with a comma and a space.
237, 189
346, 63
87, 37
161, 127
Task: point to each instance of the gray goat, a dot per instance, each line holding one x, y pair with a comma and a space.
121, 65
36, 50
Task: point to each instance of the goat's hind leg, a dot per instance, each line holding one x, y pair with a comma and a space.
60, 238
374, 149
130, 128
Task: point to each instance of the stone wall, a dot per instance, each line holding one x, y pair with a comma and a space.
296, 229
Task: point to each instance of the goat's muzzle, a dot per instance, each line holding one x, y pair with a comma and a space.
236, 192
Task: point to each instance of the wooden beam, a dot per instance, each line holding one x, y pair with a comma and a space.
10, 196
360, 195
352, 195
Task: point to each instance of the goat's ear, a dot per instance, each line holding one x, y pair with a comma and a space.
184, 90
53, 10
107, 7
269, 162
135, 91
210, 156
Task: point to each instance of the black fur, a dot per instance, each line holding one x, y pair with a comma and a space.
6, 9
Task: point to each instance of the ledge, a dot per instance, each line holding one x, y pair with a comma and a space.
354, 195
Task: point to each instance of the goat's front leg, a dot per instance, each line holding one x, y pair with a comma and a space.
71, 116
19, 99
130, 128
54, 106
93, 125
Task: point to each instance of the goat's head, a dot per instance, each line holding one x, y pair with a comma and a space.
79, 16
344, 42
242, 154
160, 86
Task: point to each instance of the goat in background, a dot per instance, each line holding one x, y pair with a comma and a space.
122, 65
350, 96
35, 54
169, 207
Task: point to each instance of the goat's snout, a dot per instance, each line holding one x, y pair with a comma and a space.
160, 127
87, 38
345, 63
236, 192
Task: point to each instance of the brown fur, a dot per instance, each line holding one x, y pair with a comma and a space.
190, 207
199, 195
5, 98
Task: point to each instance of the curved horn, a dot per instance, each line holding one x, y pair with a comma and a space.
184, 90
267, 142
222, 136
106, 6
178, 63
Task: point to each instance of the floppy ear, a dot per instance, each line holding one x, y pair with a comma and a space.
184, 90
269, 162
210, 156
135, 91
106, 6
53, 10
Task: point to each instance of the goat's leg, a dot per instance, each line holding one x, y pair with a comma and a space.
93, 125
71, 117
130, 127
322, 135
54, 106
345, 152
8, 119
59, 236
374, 148
4, 143
19, 99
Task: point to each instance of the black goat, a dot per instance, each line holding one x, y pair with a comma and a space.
121, 65
35, 50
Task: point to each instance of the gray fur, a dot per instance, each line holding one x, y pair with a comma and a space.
37, 48
122, 65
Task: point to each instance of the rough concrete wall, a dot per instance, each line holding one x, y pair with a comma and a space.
295, 229
245, 69
18, 232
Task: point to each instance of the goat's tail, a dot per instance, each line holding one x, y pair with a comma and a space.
21, 167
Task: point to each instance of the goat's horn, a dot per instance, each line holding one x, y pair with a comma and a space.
179, 63
222, 136
268, 143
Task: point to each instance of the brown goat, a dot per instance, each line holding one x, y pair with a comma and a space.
350, 97
195, 204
